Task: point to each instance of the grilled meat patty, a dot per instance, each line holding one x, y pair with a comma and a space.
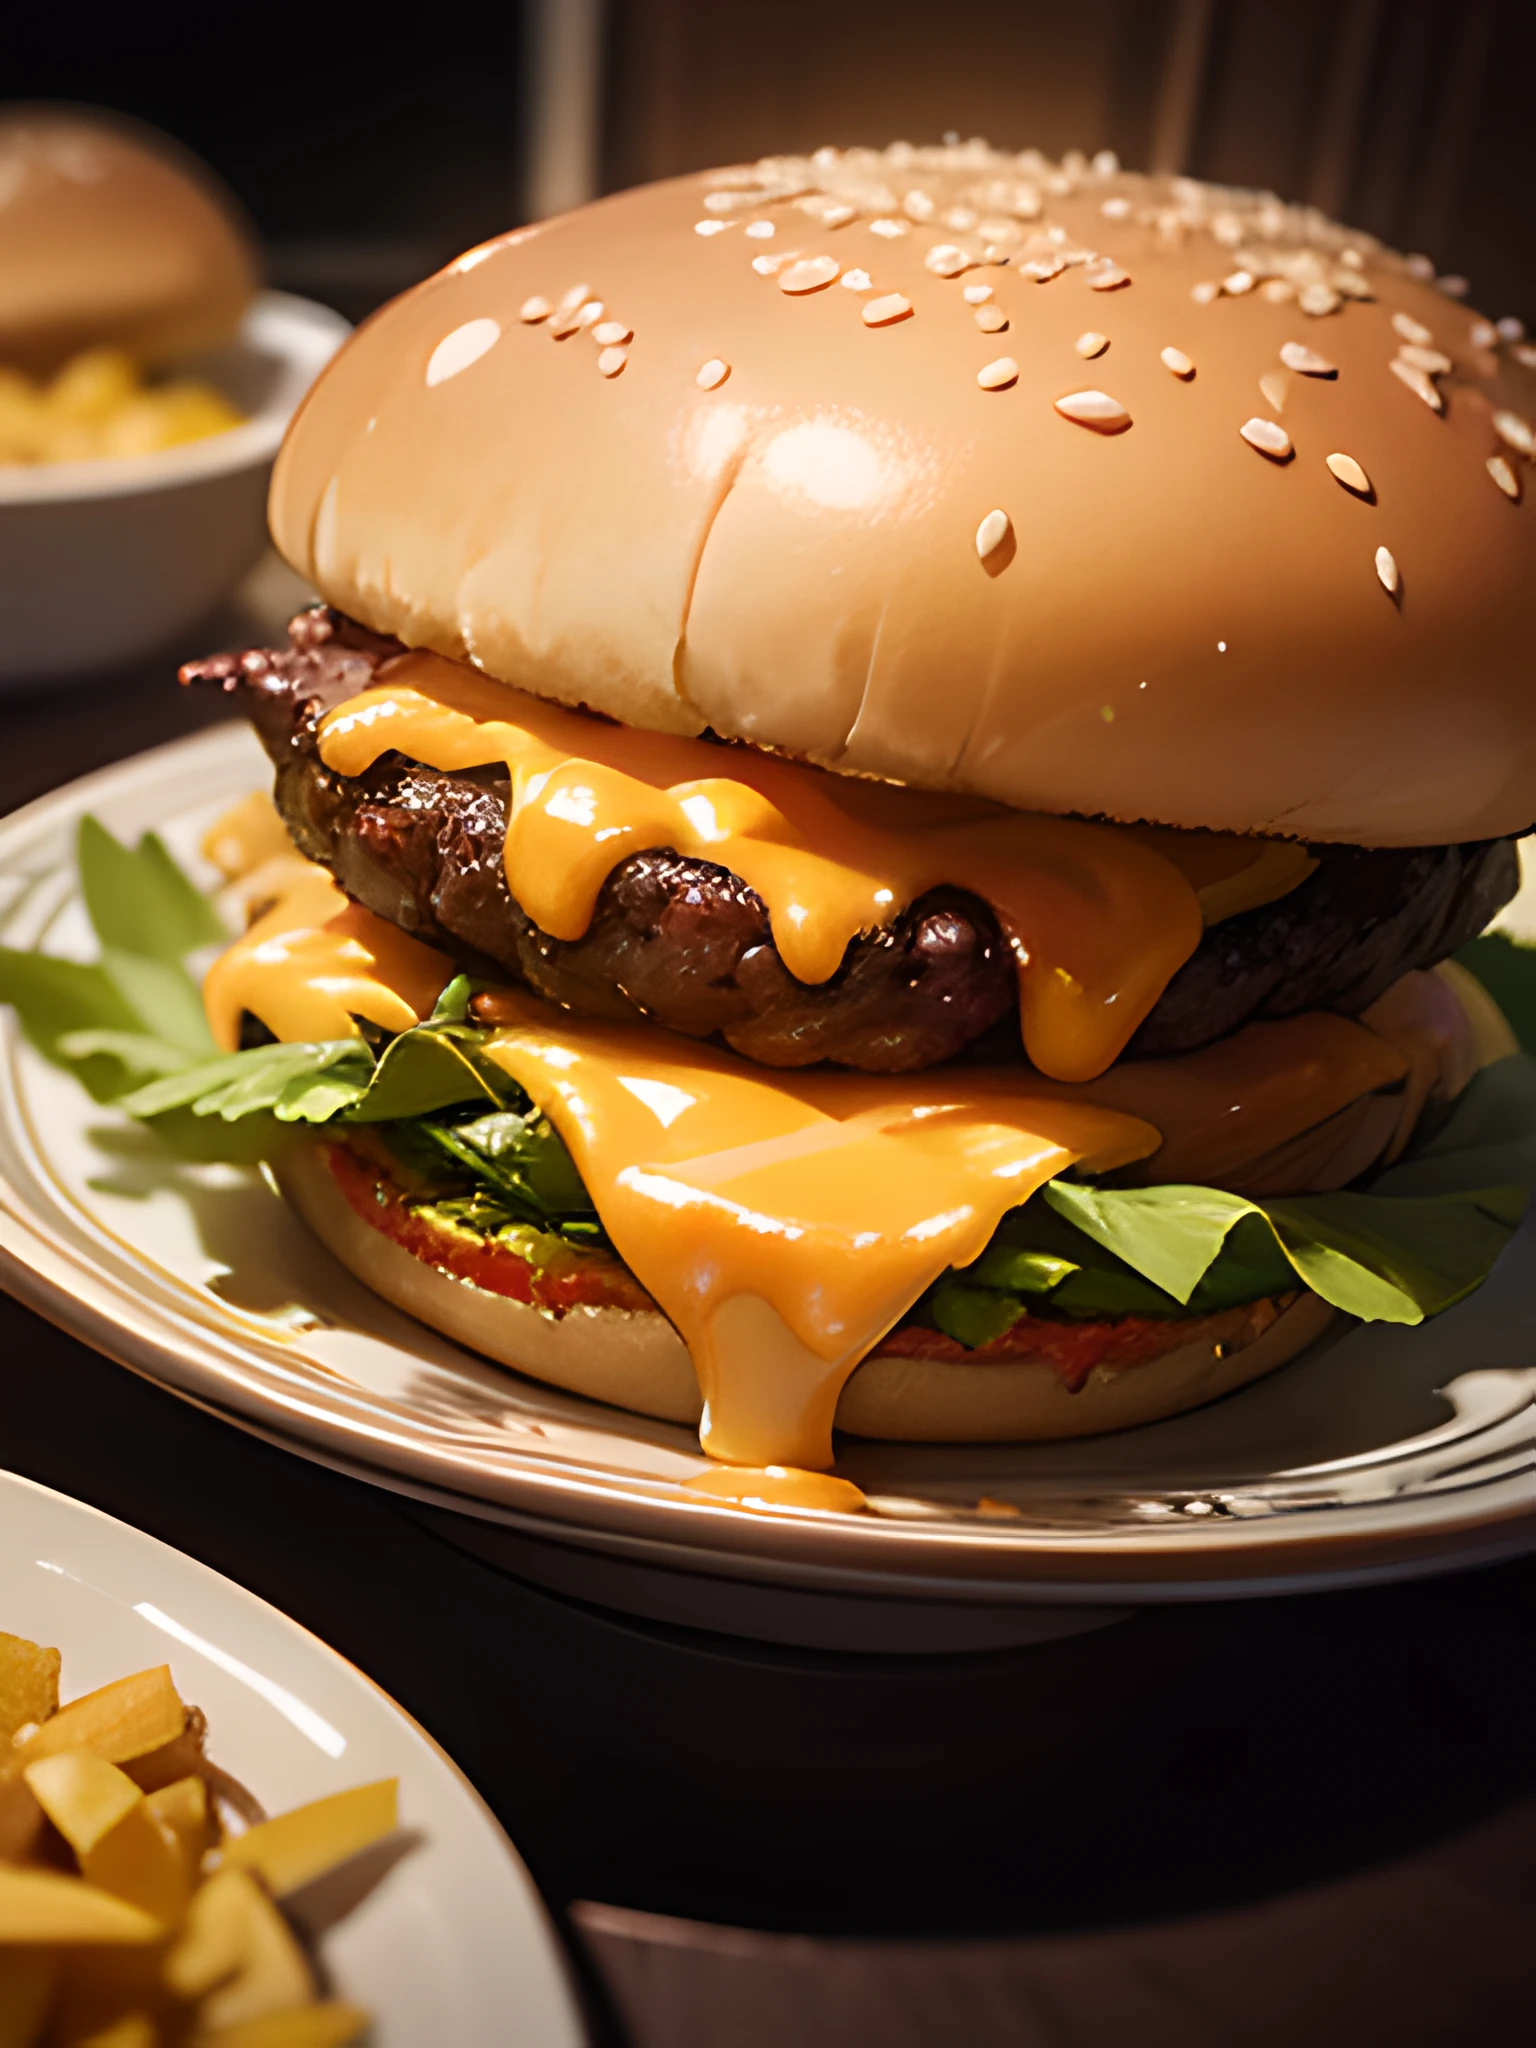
687, 944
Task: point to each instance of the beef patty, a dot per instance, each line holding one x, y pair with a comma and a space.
687, 944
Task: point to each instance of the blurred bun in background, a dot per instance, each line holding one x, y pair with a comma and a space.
110, 234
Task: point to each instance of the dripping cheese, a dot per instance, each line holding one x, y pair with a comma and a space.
1099, 920
786, 1222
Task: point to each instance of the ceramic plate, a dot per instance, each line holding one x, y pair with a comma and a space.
1383, 1451
454, 1944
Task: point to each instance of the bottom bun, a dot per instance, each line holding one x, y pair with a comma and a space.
635, 1359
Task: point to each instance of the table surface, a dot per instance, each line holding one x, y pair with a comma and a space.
1297, 1819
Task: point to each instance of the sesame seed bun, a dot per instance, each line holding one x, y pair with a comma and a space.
976, 472
635, 1359
111, 235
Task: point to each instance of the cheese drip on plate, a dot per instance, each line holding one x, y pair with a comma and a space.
1099, 919
786, 1221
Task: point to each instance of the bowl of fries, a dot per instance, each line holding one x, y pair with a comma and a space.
215, 1833
130, 506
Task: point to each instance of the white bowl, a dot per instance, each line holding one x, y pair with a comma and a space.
102, 563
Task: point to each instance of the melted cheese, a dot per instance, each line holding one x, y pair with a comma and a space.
1098, 920
315, 962
785, 1222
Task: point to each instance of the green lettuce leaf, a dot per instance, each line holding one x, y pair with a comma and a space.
1507, 969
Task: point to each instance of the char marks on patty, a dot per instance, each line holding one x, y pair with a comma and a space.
688, 945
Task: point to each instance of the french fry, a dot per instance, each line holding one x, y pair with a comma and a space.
182, 1810
304, 1844
329, 2025
142, 1862
21, 1818
126, 1719
29, 1683
134, 2030
237, 1954
82, 1795
45, 1906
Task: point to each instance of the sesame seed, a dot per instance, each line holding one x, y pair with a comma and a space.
1504, 477
961, 219
1420, 267
1516, 433
856, 280
610, 332
1318, 299
889, 229
724, 202
713, 373
1043, 268
1387, 570
1349, 474
761, 230
1239, 282
918, 206
1420, 385
1275, 384
589, 314
992, 532
1175, 359
770, 266
1526, 356
1483, 334
1277, 290
1090, 345
1297, 356
1108, 278
991, 319
1094, 409
882, 312
810, 274
1511, 329
1116, 209
1269, 437
578, 295
1105, 164
977, 294
534, 310
1412, 330
710, 227
946, 260
1431, 360
564, 325
612, 360
1204, 294
998, 375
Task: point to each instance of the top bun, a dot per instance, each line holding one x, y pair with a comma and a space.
109, 234
752, 491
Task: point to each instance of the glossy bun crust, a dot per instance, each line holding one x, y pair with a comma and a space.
636, 1360
730, 501
111, 235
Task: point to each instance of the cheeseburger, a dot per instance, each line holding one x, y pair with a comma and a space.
877, 807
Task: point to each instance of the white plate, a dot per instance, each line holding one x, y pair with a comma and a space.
1381, 1453
454, 1945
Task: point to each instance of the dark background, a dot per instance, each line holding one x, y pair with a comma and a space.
371, 143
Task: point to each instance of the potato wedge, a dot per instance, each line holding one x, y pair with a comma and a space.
126, 1719
299, 1846
29, 1683
329, 2025
237, 1954
84, 1796
45, 1906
